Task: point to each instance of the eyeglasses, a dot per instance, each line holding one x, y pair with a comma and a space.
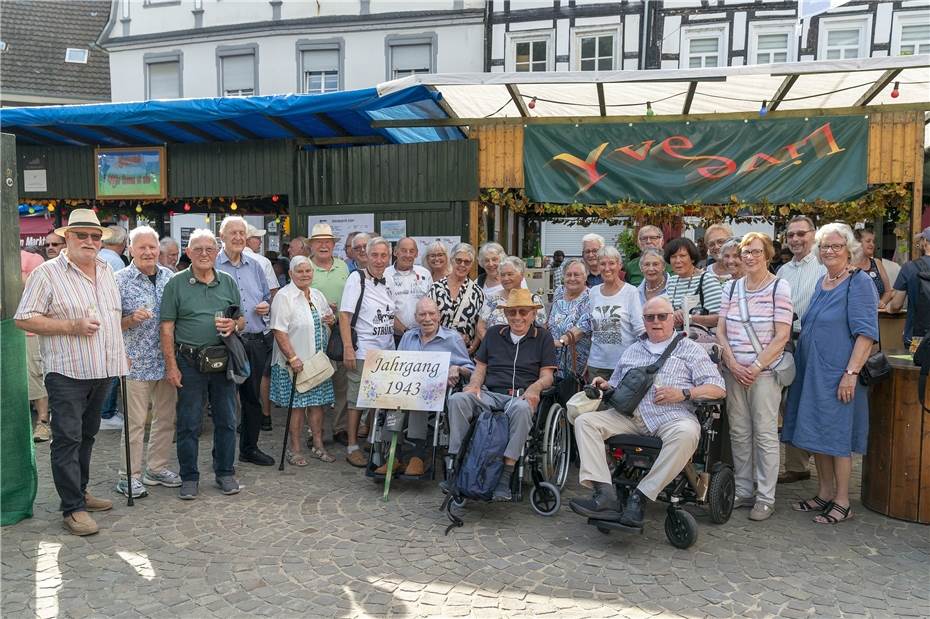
59, 244
654, 317
360, 248
650, 239
94, 236
203, 250
833, 248
463, 261
755, 253
514, 312
717, 242
799, 234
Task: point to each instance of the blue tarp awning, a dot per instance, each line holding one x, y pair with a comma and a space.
322, 119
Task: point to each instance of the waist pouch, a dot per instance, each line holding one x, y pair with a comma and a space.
212, 359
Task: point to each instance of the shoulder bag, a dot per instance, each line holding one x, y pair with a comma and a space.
785, 369
335, 349
572, 382
876, 368
634, 386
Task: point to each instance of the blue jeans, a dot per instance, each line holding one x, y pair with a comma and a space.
109, 406
196, 387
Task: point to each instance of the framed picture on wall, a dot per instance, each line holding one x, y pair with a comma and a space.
126, 173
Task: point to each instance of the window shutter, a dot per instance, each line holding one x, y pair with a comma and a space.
164, 80
239, 73
411, 57
321, 60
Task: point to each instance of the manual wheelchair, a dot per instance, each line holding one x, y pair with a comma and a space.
546, 455
706, 480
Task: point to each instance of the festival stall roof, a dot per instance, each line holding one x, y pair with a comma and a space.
332, 119
480, 98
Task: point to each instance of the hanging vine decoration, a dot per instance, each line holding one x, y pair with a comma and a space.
891, 200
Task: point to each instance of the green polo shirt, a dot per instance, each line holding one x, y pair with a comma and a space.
192, 307
331, 281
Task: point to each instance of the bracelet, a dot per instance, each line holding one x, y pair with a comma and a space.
757, 364
291, 360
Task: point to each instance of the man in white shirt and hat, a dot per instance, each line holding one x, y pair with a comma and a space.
253, 247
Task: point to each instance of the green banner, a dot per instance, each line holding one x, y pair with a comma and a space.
779, 160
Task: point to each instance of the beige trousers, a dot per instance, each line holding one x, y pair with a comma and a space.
340, 388
753, 416
679, 440
162, 396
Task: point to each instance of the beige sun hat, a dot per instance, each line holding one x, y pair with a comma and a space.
252, 231
83, 218
322, 231
520, 297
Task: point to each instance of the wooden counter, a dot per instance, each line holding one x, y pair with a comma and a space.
896, 468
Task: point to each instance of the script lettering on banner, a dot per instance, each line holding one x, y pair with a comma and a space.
412, 381
779, 160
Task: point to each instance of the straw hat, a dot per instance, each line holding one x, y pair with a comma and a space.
252, 231
323, 231
521, 297
83, 218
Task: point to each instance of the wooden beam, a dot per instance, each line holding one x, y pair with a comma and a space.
348, 139
781, 92
917, 189
286, 125
330, 122
600, 99
878, 86
164, 138
235, 127
581, 120
197, 131
31, 135
692, 88
517, 100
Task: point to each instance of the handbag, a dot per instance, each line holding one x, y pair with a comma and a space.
876, 368
317, 369
784, 370
634, 386
334, 349
212, 359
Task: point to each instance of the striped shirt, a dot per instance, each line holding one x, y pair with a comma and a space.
765, 307
677, 288
803, 276
59, 289
687, 367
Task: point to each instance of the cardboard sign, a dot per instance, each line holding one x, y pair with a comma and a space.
413, 381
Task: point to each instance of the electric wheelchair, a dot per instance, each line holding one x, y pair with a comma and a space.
706, 480
546, 456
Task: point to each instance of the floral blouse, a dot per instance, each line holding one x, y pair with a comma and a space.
493, 314
565, 315
462, 312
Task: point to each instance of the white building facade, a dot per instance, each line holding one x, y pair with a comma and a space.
164, 49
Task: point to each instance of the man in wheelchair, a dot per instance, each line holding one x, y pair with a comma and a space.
665, 412
429, 336
513, 366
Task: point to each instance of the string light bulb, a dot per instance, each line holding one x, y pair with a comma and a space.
233, 206
532, 104
51, 207
187, 206
764, 109
275, 198
649, 110
895, 92
138, 208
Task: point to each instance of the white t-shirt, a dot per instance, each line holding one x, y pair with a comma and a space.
291, 314
375, 324
265, 263
616, 322
408, 287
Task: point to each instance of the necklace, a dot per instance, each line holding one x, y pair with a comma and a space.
659, 287
840, 276
762, 284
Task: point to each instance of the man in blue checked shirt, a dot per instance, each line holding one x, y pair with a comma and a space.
257, 338
666, 412
141, 285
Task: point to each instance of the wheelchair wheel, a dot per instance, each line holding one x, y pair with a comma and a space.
721, 494
557, 446
681, 528
545, 499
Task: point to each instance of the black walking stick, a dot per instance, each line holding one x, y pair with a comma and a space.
122, 382
287, 424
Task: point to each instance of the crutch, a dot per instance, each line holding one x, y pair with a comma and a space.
287, 424
122, 381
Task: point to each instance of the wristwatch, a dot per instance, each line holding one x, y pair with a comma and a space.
851, 373
686, 393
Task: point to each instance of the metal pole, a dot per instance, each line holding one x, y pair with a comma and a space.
390, 463
129, 501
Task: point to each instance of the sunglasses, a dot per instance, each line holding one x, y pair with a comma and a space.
464, 261
94, 236
515, 312
654, 317
56, 244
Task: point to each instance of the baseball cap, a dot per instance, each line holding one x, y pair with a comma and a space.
254, 232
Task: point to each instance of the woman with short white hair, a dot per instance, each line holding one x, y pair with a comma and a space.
490, 257
437, 261
591, 245
828, 409
460, 298
512, 271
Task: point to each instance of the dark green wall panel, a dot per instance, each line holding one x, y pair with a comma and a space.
69, 175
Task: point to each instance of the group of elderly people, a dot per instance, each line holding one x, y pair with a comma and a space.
606, 318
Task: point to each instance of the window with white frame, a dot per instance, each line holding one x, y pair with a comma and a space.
238, 75
913, 38
770, 43
320, 70
843, 39
531, 55
410, 58
703, 52
595, 51
76, 55
164, 79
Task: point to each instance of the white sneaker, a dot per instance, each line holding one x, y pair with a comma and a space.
138, 490
163, 477
113, 423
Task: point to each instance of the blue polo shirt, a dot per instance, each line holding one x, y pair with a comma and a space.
253, 288
446, 340
909, 282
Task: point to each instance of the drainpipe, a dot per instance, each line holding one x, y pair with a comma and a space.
642, 47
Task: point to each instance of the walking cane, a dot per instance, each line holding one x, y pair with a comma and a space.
129, 500
287, 424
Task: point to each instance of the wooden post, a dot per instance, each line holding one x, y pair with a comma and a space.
11, 285
917, 187
474, 232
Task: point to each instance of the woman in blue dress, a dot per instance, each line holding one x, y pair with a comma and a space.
570, 320
828, 410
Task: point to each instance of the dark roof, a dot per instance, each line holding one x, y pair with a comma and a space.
37, 33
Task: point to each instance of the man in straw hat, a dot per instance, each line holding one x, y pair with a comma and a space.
329, 277
73, 304
513, 365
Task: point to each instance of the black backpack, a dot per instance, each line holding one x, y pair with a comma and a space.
922, 360
921, 306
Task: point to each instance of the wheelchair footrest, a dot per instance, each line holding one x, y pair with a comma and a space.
613, 525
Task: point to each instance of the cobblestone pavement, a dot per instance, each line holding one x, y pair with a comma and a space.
319, 542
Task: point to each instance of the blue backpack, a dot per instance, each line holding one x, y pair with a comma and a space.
481, 468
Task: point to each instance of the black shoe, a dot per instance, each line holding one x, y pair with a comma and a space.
266, 423
257, 457
341, 437
632, 515
598, 506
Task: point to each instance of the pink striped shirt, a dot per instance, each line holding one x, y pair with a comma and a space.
59, 289
766, 307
